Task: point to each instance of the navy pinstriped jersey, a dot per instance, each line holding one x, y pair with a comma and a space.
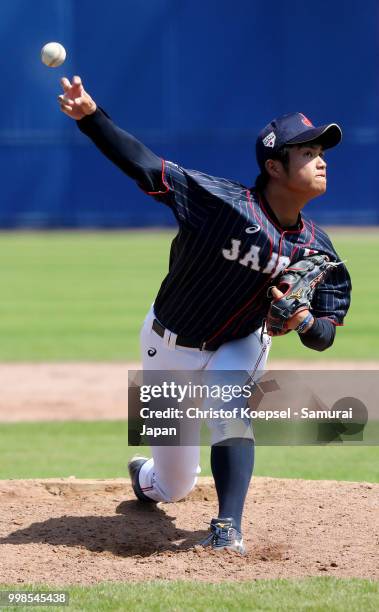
226, 252
228, 249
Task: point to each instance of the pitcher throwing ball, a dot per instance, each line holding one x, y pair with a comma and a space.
213, 310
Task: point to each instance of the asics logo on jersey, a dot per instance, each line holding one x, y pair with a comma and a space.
253, 229
152, 351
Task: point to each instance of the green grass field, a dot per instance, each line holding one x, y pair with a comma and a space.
313, 595
75, 296
99, 450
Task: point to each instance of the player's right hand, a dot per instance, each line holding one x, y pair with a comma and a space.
75, 102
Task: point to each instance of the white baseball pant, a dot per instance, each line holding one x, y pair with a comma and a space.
172, 472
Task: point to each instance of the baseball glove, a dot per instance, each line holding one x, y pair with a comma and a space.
298, 283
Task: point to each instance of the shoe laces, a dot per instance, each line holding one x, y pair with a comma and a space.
221, 535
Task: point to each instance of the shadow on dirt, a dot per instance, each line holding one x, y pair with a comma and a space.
136, 530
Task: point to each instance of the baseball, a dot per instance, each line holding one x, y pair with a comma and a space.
53, 54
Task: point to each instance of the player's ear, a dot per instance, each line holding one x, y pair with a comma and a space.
274, 168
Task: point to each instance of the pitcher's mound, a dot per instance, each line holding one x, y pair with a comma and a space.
60, 532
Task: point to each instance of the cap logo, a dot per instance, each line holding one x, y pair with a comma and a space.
269, 140
306, 121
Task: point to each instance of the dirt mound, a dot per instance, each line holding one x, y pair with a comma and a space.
81, 531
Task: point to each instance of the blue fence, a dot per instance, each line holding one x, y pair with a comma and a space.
195, 81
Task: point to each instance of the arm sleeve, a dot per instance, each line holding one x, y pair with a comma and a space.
331, 299
164, 180
130, 155
329, 306
320, 336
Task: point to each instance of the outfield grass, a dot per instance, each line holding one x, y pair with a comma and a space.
99, 450
77, 296
312, 594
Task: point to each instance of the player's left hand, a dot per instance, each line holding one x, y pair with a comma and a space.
291, 296
293, 322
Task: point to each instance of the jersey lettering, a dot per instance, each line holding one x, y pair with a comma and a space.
252, 258
282, 263
233, 253
276, 264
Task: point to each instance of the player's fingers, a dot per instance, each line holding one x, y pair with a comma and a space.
67, 109
85, 104
65, 84
77, 83
64, 105
276, 293
65, 100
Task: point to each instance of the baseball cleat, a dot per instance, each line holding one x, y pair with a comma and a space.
134, 466
224, 535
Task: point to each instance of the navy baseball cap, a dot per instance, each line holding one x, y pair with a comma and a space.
294, 128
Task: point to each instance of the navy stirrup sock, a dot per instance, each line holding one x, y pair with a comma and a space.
232, 464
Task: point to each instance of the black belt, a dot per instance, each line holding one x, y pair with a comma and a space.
180, 340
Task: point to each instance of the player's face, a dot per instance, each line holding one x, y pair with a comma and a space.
307, 170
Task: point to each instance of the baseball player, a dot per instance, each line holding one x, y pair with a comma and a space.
232, 244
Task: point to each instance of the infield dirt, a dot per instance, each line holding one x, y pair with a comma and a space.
83, 532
